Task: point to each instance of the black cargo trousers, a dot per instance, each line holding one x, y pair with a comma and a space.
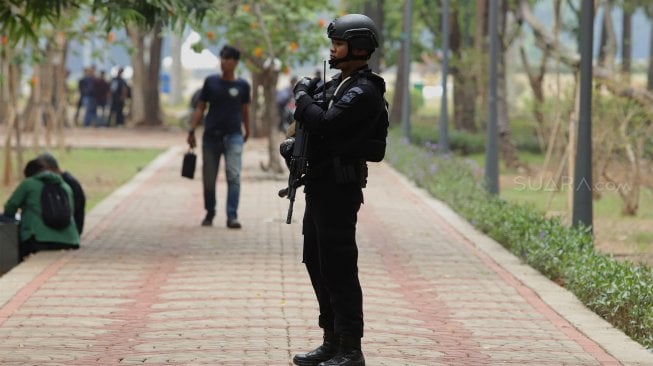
331, 255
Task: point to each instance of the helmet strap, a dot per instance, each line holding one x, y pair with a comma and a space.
336, 61
349, 57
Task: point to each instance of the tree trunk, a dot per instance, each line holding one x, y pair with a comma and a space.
256, 128
626, 50
153, 112
464, 97
29, 110
268, 79
481, 60
603, 40
374, 9
146, 62
608, 47
396, 106
506, 143
536, 82
137, 110
61, 94
47, 91
35, 116
53, 90
649, 73
464, 101
8, 101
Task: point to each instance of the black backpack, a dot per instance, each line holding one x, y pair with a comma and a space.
55, 207
372, 140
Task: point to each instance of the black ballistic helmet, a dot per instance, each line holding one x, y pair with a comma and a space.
357, 29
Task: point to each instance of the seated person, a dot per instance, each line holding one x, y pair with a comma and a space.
34, 234
32, 167
51, 164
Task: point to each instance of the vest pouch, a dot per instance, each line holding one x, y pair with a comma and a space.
350, 173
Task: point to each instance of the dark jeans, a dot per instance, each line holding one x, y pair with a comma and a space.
214, 146
90, 114
32, 246
117, 111
331, 257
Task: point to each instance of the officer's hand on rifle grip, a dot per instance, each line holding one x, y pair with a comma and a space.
305, 86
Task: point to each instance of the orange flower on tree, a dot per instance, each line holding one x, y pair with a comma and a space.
4, 40
321, 23
254, 25
258, 52
111, 37
34, 80
246, 8
293, 46
211, 36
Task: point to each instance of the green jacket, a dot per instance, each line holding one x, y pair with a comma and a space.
27, 198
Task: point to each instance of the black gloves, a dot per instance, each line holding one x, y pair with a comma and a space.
305, 86
304, 90
286, 149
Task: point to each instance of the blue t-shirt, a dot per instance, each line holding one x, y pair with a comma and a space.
225, 98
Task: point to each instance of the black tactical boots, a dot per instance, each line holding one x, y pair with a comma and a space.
325, 352
349, 353
345, 351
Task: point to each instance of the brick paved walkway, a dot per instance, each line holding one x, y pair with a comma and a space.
150, 286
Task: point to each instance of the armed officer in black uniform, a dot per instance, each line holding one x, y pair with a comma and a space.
346, 120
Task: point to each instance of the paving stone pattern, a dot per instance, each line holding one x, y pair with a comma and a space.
150, 286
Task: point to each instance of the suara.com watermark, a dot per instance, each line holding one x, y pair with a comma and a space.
565, 183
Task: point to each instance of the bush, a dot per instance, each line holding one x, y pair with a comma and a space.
465, 143
620, 292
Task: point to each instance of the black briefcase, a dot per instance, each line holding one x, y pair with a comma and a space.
188, 165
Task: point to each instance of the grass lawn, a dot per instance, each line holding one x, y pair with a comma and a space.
100, 171
627, 237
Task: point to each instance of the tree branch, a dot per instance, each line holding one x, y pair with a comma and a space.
570, 58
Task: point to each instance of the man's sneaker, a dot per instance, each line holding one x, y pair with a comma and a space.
208, 219
233, 223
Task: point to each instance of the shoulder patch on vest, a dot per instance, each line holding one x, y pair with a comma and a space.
351, 94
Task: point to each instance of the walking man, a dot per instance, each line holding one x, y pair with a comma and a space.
119, 94
226, 128
102, 93
346, 130
87, 90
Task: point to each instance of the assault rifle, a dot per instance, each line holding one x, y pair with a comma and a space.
298, 164
298, 167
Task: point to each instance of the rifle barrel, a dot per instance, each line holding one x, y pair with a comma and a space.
289, 218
